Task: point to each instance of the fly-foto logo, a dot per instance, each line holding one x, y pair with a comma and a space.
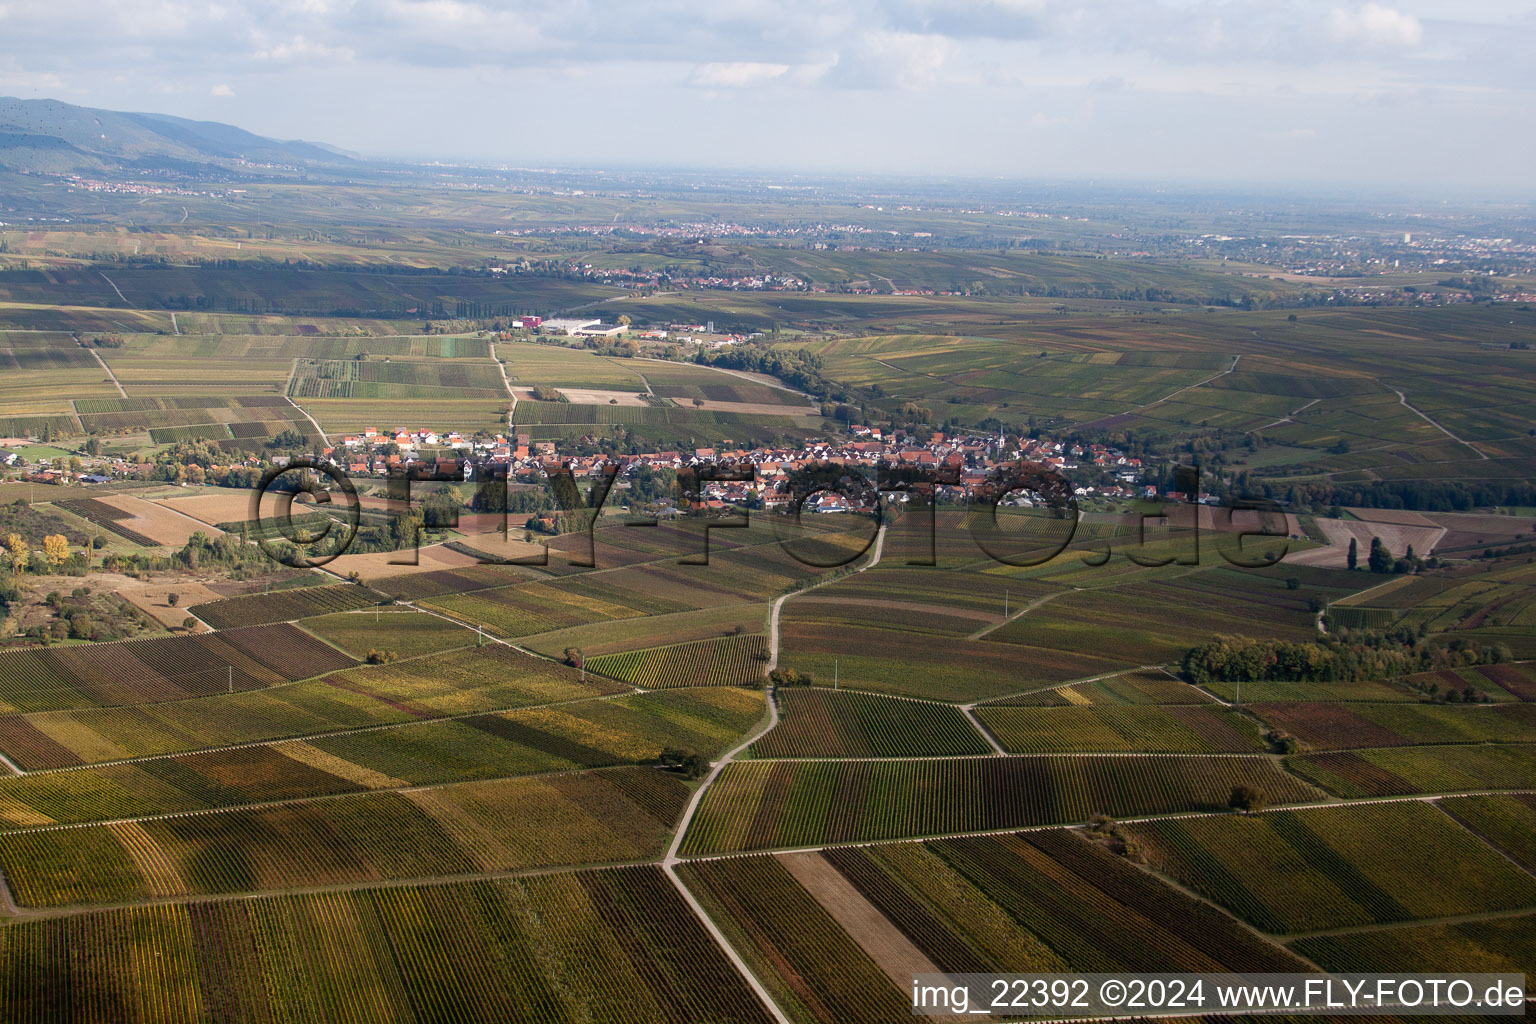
1023, 514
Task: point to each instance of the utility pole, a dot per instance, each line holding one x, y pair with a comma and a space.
834, 673
1005, 602
231, 669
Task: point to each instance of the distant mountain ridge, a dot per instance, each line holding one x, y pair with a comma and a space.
53, 136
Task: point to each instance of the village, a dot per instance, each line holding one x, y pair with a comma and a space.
957, 464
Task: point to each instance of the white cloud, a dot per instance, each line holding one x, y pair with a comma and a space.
741, 74
222, 90
300, 48
892, 60
1375, 26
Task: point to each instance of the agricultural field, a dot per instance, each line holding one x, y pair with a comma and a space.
757, 805
235, 422
830, 723
907, 664
332, 806
1399, 771
1296, 871
725, 661
1500, 945
284, 606
579, 732
142, 522
409, 634
420, 378
1338, 726
838, 934
1506, 822
158, 669
39, 375
616, 945
458, 683
1202, 729
1139, 687
559, 367
459, 829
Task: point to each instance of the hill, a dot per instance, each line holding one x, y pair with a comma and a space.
56, 137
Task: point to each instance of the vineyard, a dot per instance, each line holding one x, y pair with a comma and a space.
1044, 901
577, 734
408, 633
109, 517
1507, 822
612, 945
1326, 726
913, 665
1296, 871
1403, 770
830, 723
727, 661
757, 805
1134, 728
283, 606
1140, 687
463, 828
158, 669
1497, 945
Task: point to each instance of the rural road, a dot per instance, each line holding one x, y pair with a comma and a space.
1420, 413
670, 861
502, 367
115, 288
288, 387
97, 355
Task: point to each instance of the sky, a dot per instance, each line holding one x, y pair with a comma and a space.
1435, 96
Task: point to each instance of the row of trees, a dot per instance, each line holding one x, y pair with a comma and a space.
1364, 655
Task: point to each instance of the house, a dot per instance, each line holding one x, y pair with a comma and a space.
8, 458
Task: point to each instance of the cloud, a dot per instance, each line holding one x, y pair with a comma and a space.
891, 60
222, 90
300, 48
741, 74
1375, 26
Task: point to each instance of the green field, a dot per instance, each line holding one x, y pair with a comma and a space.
1298, 871
829, 723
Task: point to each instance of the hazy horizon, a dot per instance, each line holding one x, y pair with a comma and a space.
1310, 95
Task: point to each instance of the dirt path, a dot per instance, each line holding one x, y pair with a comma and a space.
1023, 610
670, 861
115, 288
1404, 399
502, 367
294, 369
886, 945
103, 364
1290, 415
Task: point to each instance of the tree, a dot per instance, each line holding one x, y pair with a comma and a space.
1354, 553
173, 599
1247, 799
189, 623
573, 657
56, 549
686, 762
1380, 559
16, 544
